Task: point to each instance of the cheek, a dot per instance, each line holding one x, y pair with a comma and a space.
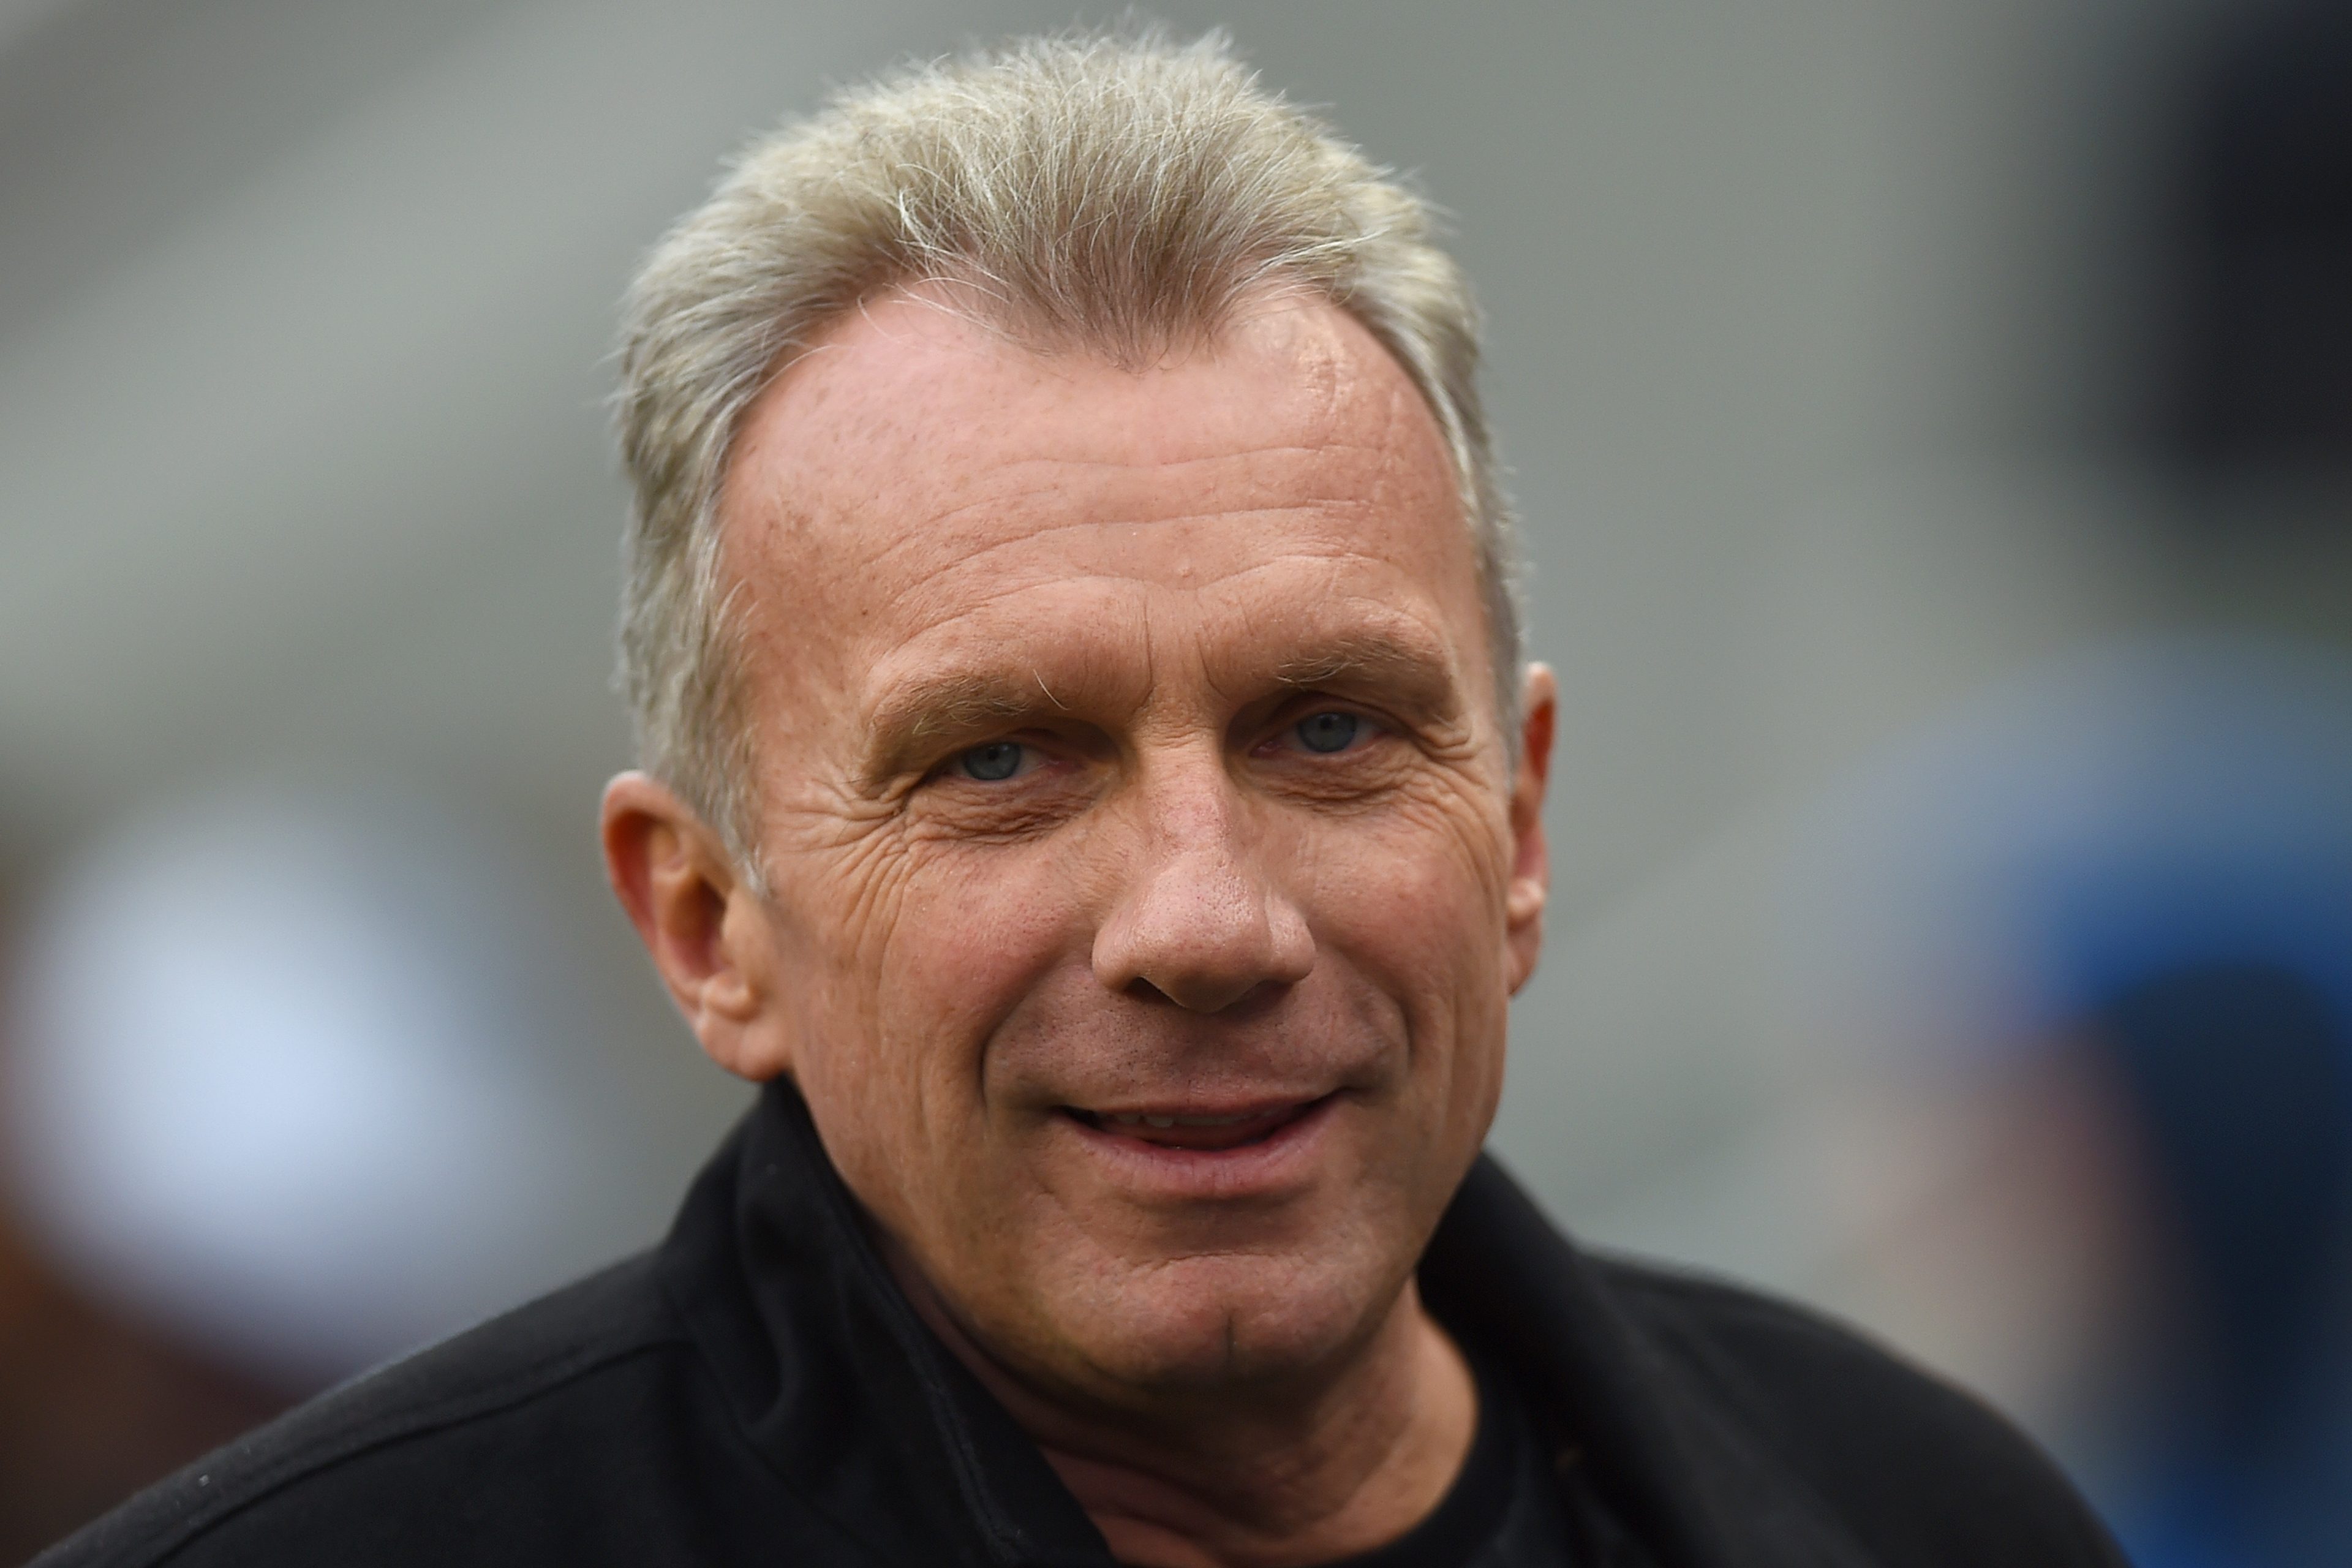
976, 929
1414, 903
921, 953
934, 946
1416, 893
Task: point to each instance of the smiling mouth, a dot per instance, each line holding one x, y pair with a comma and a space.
1187, 1129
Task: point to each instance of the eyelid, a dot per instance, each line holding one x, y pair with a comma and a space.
1305, 705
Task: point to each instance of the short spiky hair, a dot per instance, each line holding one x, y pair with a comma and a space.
1108, 194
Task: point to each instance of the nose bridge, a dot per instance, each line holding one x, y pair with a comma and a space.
1197, 871
1200, 919
1189, 803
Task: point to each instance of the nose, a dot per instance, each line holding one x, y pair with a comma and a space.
1201, 923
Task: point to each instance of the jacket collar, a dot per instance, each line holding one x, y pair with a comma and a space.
1694, 1482
837, 1382
856, 1405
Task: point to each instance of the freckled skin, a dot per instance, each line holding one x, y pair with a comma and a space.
1142, 583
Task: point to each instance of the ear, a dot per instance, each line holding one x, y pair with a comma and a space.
1523, 905
708, 930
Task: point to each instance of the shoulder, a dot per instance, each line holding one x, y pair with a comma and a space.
495, 1445
1919, 1471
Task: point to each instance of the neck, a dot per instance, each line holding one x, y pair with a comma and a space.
1276, 1477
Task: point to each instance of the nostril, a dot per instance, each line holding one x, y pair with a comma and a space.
1141, 989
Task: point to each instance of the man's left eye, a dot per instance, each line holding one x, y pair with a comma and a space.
1329, 731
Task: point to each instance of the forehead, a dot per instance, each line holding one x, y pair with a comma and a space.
918, 485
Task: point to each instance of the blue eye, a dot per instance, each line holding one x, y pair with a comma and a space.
997, 760
1329, 731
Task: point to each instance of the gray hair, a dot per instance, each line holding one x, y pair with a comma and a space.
1112, 193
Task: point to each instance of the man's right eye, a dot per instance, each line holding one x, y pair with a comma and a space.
996, 761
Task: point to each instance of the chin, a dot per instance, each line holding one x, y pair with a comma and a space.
1216, 1322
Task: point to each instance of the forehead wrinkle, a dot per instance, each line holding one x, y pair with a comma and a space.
855, 518
1215, 569
998, 482
1419, 606
1223, 454
1054, 497
1274, 434
1127, 594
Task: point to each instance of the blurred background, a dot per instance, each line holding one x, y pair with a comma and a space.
1932, 420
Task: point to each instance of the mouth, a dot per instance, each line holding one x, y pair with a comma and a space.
1197, 1129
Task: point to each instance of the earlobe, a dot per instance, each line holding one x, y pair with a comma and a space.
699, 923
1530, 883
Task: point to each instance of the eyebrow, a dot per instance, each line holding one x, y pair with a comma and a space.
1406, 671
919, 714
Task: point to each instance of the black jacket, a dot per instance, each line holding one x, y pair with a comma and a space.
756, 1390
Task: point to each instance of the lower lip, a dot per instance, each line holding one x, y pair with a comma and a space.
1281, 1158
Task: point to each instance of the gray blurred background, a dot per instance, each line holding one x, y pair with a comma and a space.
1929, 419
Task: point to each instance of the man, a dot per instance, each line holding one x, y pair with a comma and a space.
1092, 779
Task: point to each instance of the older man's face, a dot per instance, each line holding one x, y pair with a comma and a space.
1150, 874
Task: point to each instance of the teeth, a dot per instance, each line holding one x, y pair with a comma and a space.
1141, 1119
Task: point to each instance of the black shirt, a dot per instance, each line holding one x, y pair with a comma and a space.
757, 1391
1505, 1510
